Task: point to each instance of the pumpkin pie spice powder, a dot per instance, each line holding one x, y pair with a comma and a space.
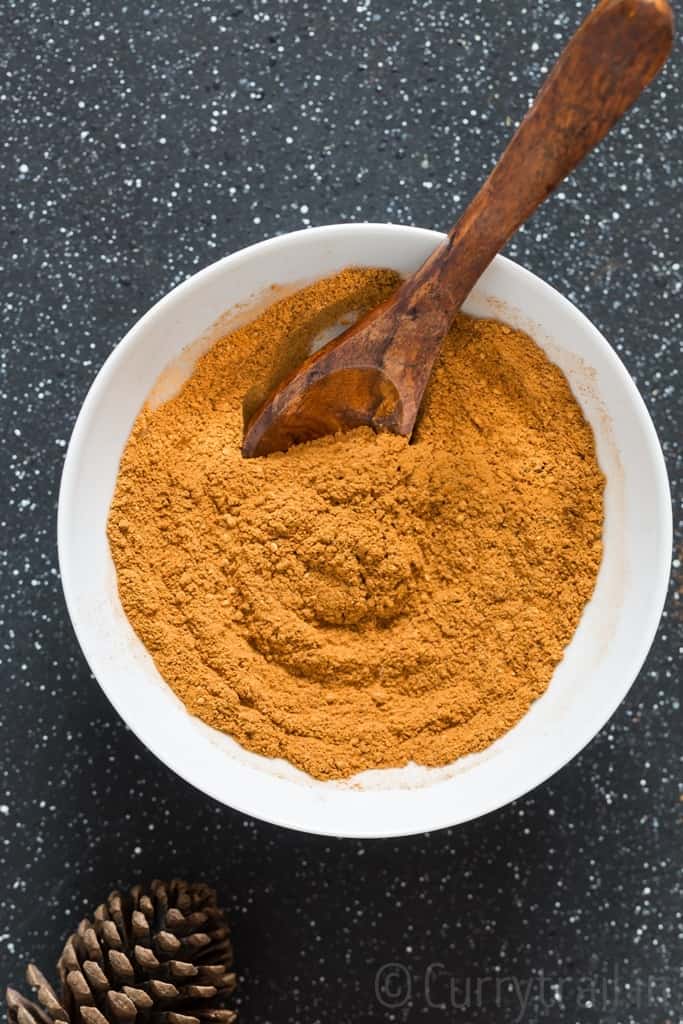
360, 601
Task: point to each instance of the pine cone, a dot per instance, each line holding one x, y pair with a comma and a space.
157, 957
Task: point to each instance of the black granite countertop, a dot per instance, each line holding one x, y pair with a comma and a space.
143, 140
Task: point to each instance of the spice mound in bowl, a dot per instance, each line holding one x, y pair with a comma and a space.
360, 601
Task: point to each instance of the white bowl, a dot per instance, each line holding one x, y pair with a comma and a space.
600, 664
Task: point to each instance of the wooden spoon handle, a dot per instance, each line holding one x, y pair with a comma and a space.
612, 57
615, 53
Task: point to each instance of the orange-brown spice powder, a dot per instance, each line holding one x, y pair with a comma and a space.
361, 602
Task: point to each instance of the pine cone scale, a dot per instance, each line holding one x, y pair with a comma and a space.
180, 969
142, 1000
91, 1015
97, 979
145, 959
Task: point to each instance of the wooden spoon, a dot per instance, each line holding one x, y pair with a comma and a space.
376, 372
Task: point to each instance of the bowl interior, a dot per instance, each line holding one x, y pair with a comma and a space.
599, 665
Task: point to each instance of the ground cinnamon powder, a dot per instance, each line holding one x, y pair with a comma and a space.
361, 602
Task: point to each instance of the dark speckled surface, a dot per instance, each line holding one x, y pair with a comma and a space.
140, 142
